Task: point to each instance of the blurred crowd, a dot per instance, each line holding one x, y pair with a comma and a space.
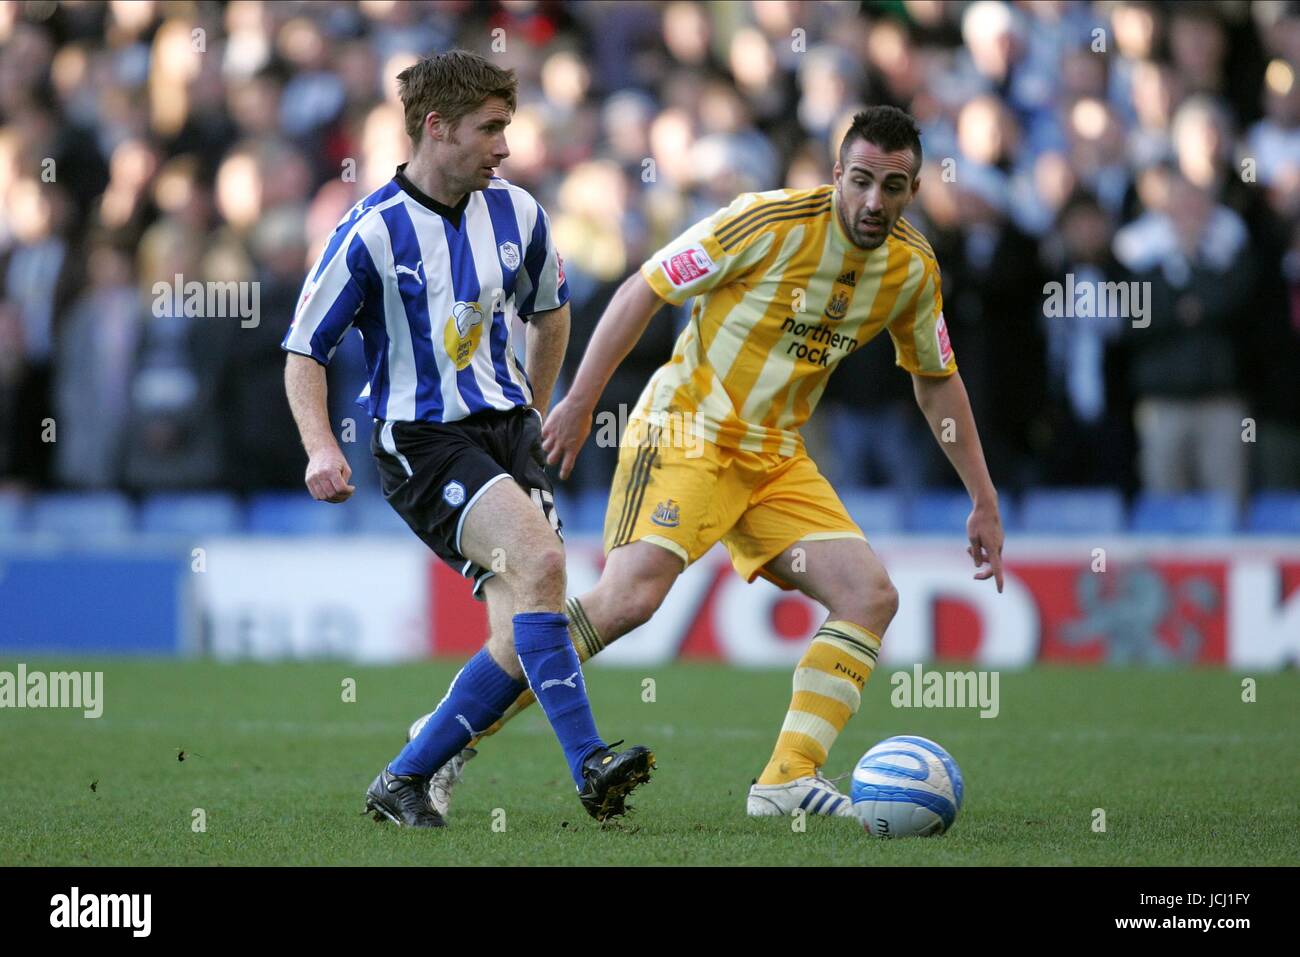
1105, 142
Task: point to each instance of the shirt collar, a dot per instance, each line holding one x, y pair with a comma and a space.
451, 213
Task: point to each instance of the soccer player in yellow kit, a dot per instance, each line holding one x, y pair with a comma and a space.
786, 284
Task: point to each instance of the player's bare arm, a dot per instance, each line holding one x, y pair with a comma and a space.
327, 469
624, 322
548, 337
946, 407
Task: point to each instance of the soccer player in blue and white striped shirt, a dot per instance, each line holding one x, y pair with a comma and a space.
431, 269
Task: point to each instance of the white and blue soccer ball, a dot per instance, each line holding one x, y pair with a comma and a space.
906, 786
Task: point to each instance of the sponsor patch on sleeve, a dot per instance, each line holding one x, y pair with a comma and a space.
945, 346
687, 266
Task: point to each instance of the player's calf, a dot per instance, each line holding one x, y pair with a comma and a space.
828, 685
447, 776
636, 579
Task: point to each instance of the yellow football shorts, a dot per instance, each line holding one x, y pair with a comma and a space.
686, 496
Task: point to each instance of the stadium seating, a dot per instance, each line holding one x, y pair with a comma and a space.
294, 513
372, 515
1043, 511
945, 512
1274, 513
79, 514
1202, 513
877, 511
567, 505
208, 513
588, 514
1072, 511
13, 511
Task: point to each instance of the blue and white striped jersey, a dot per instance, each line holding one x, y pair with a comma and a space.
433, 290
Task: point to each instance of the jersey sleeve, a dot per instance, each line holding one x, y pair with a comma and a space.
715, 251
339, 286
540, 286
920, 335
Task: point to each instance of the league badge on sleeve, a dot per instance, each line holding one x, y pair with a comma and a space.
945, 346
687, 266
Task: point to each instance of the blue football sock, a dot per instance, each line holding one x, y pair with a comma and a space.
478, 696
546, 652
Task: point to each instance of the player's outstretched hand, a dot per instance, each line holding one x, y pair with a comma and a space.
327, 477
984, 529
563, 433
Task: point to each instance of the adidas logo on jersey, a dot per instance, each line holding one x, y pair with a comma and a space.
849, 278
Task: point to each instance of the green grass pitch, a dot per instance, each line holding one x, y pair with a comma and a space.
1186, 772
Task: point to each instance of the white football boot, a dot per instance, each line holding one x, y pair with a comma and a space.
445, 778
813, 794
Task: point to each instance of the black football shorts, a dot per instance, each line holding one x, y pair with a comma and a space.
432, 474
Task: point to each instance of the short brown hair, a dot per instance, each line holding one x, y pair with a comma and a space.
452, 84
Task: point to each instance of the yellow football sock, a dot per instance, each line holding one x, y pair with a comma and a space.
827, 691
586, 642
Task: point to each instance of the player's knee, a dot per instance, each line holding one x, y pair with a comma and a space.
882, 598
549, 571
540, 579
872, 606
642, 601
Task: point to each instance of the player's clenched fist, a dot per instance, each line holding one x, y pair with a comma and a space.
327, 476
563, 433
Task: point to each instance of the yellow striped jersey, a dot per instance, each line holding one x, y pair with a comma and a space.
782, 296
